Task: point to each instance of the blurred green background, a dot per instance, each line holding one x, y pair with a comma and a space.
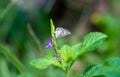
25, 29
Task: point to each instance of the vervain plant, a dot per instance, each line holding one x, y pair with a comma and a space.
67, 55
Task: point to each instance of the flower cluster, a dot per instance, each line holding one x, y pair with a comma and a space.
59, 32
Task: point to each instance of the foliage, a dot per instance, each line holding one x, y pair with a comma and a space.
67, 55
25, 28
110, 68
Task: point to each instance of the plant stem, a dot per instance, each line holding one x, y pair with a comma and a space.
67, 73
38, 43
54, 41
5, 51
8, 8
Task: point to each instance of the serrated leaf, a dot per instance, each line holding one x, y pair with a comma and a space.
89, 43
67, 53
91, 71
111, 68
76, 48
114, 62
43, 63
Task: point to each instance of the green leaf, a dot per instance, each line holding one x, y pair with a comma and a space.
68, 57
76, 48
43, 63
91, 71
67, 53
90, 42
111, 68
114, 62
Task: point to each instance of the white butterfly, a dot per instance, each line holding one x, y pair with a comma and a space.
61, 32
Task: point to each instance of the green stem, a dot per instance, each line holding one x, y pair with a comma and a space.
38, 43
5, 12
54, 41
5, 51
67, 73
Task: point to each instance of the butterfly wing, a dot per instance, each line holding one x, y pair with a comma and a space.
61, 32
58, 31
66, 32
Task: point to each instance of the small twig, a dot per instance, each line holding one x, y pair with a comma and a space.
54, 42
5, 12
67, 73
8, 53
37, 42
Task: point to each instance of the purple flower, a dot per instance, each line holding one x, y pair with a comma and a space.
49, 43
